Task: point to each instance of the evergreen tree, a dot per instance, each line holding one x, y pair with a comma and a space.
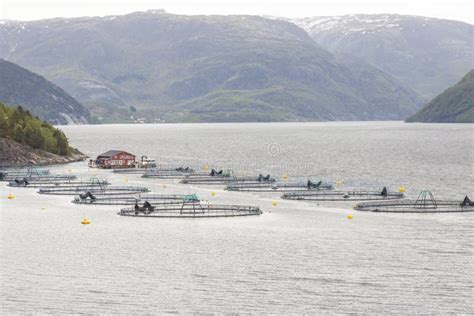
22, 127
18, 133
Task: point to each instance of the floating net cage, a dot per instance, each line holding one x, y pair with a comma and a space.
213, 176
150, 171
58, 183
33, 174
128, 200
131, 171
425, 203
354, 195
22, 172
169, 174
190, 207
280, 186
45, 178
227, 179
95, 190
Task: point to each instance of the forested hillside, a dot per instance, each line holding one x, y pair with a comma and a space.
19, 125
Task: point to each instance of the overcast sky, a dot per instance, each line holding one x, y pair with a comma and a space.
461, 10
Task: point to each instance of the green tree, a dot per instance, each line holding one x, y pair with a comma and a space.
20, 125
18, 134
62, 142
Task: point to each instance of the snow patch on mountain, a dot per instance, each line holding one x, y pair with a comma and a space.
352, 23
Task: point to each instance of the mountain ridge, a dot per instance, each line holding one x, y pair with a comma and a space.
205, 68
427, 54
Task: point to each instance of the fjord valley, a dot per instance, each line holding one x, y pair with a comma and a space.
177, 68
289, 182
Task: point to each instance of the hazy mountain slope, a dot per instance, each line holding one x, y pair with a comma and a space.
201, 68
455, 105
425, 53
19, 86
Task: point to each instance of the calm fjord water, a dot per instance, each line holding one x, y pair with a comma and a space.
295, 258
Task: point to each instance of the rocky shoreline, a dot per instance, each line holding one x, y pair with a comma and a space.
13, 153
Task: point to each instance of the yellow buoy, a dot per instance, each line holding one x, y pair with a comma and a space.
285, 177
401, 189
274, 203
213, 193
85, 221
206, 167
350, 216
10, 196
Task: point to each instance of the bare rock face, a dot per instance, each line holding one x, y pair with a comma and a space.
13, 153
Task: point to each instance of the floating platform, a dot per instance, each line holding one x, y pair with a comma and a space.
128, 200
190, 210
280, 186
96, 191
425, 203
354, 195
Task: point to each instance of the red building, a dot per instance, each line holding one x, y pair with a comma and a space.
115, 159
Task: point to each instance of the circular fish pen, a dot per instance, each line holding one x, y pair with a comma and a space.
279, 186
425, 203
21, 173
171, 174
354, 195
151, 172
214, 175
190, 207
45, 177
226, 179
96, 191
61, 183
127, 200
133, 170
